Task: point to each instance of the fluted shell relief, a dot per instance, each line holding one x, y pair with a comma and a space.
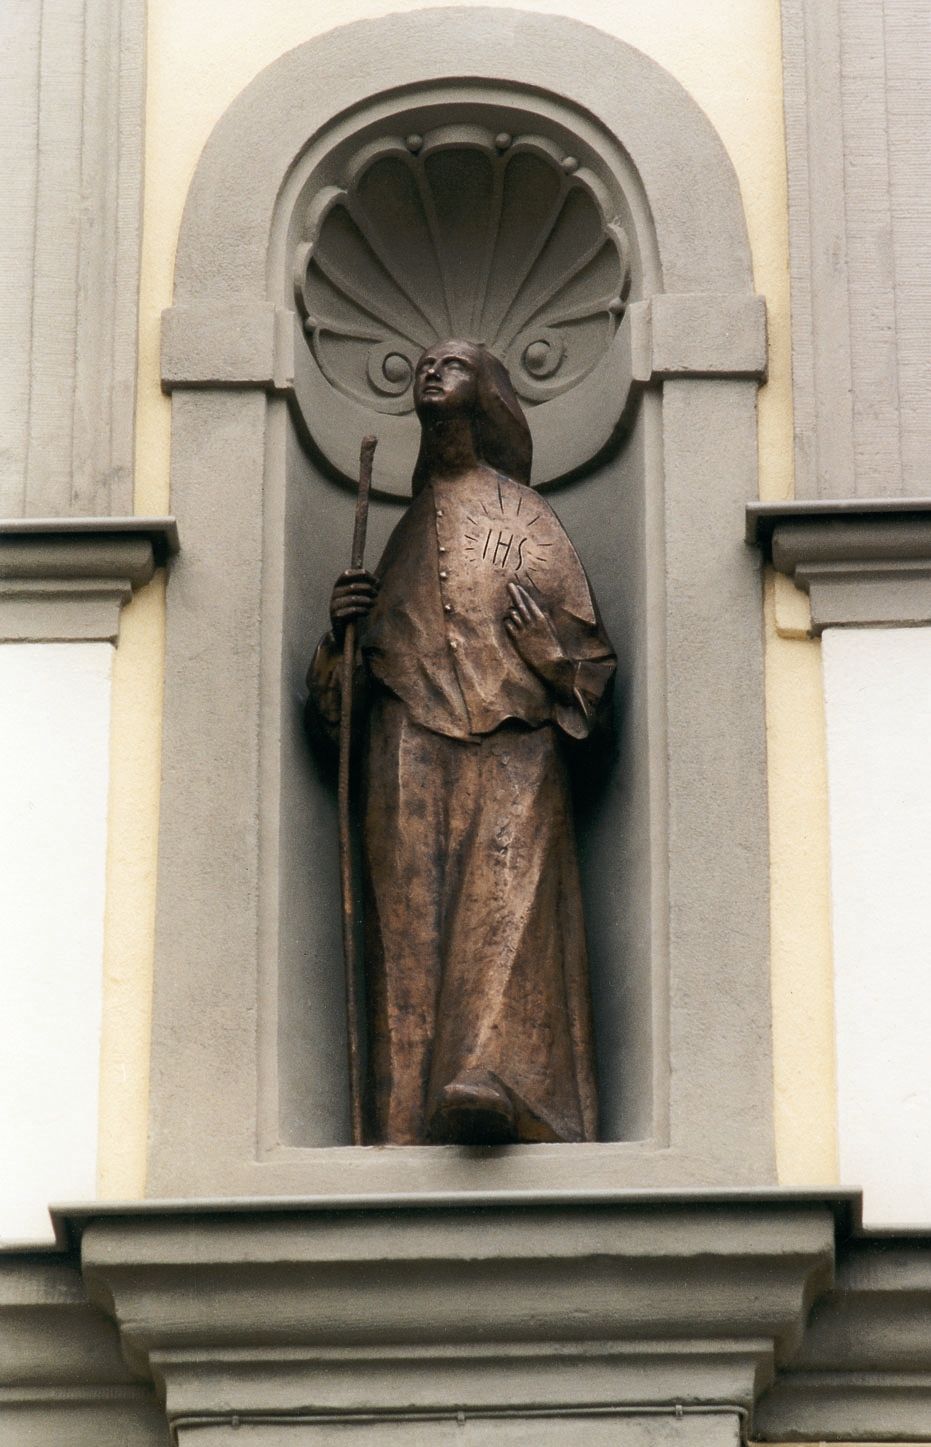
461, 233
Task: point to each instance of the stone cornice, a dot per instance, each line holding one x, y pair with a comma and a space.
865, 1360
471, 1304
66, 579
863, 563
769, 1307
62, 1375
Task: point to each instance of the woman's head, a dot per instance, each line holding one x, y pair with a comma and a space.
457, 377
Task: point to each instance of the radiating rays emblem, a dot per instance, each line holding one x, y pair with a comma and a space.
503, 538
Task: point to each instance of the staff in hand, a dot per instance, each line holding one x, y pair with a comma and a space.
352, 598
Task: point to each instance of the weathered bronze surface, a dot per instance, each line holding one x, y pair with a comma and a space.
480, 651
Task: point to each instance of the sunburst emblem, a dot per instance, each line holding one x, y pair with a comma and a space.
503, 538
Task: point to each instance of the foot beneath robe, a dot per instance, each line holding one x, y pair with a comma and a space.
474, 1110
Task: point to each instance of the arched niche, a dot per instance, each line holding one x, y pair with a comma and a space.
248, 1079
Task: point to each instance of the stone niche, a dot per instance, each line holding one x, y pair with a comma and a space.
515, 232
573, 208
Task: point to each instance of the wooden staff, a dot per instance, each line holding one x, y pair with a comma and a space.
345, 843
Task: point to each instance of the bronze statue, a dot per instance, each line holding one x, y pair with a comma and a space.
480, 650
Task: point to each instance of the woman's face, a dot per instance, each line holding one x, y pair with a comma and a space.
446, 381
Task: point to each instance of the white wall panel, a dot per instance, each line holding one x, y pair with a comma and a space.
54, 767
878, 707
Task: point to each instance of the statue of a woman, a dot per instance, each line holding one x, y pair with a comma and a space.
481, 649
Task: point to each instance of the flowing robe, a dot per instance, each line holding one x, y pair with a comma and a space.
475, 944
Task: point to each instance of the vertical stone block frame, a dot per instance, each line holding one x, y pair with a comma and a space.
649, 450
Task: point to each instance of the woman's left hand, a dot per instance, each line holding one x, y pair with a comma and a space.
531, 631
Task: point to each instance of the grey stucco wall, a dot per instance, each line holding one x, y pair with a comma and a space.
72, 98
857, 81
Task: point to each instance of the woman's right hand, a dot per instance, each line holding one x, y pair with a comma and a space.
354, 594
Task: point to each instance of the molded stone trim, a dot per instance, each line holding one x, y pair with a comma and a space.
863, 564
709, 334
863, 1372
691, 1319
385, 1306
62, 1375
66, 580
769, 1313
228, 345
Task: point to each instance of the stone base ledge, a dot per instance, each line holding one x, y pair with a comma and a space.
639, 1318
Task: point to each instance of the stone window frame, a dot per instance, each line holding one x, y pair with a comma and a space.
227, 359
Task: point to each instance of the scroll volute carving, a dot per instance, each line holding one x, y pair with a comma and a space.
503, 238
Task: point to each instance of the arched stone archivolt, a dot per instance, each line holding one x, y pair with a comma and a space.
651, 297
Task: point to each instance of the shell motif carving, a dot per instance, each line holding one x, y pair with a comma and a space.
460, 232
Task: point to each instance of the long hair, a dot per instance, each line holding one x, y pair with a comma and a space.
499, 427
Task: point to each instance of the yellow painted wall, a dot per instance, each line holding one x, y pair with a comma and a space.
802, 964
726, 53
131, 867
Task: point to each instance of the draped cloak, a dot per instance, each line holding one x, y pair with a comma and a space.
475, 945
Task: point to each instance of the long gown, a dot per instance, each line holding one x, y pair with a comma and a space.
475, 956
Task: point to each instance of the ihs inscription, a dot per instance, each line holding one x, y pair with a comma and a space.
503, 543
